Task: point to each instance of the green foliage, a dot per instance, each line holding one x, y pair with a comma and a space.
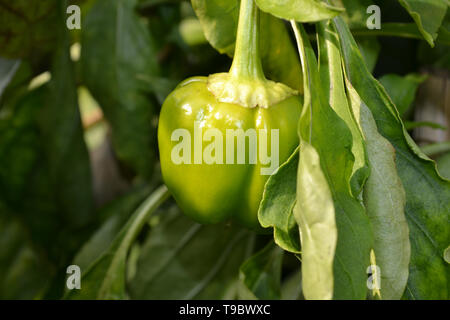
44, 160
105, 277
428, 15
427, 206
384, 199
182, 259
357, 191
326, 209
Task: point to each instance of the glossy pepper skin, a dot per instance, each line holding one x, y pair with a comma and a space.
210, 193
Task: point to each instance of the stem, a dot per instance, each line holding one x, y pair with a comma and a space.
142, 214
247, 61
245, 84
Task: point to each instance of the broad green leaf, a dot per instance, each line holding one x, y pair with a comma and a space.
299, 10
261, 273
316, 217
402, 89
332, 79
116, 47
28, 28
428, 15
384, 199
105, 278
219, 19
276, 208
326, 209
183, 260
427, 195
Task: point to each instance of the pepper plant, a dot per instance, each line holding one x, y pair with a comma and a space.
341, 204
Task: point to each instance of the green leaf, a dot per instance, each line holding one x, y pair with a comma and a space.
105, 278
331, 76
299, 10
326, 209
428, 15
276, 207
183, 260
384, 199
116, 47
427, 195
261, 273
402, 89
219, 19
318, 232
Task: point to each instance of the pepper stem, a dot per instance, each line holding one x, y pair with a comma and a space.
247, 61
245, 84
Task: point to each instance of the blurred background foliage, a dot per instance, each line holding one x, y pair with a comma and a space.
78, 150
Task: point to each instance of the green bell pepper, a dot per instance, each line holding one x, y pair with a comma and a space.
212, 176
